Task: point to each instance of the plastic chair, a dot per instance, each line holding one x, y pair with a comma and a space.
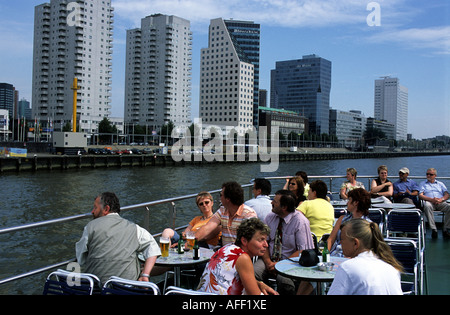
408, 254
189, 273
173, 290
63, 282
378, 215
338, 212
406, 222
120, 286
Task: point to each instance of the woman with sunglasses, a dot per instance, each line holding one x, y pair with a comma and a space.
205, 204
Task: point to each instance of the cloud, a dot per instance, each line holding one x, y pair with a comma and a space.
287, 13
433, 39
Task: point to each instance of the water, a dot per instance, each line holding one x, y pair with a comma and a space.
34, 197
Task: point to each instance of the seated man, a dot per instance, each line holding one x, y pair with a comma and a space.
261, 203
435, 194
229, 216
110, 244
289, 236
405, 190
318, 210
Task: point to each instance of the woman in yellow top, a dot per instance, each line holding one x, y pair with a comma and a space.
205, 203
318, 210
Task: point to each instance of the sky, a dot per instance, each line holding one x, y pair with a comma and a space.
364, 40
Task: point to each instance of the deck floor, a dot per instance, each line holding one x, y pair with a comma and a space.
437, 259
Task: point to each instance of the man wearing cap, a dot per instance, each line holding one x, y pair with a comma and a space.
434, 194
405, 190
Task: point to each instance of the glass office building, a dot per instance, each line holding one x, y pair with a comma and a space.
246, 36
304, 86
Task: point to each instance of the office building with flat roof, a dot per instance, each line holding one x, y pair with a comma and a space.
391, 105
8, 98
72, 40
159, 72
286, 121
226, 81
303, 86
348, 127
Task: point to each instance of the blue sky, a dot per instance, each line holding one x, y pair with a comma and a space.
412, 43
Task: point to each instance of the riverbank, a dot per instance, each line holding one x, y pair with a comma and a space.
47, 162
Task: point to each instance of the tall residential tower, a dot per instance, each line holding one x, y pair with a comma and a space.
226, 81
72, 40
158, 72
391, 105
303, 86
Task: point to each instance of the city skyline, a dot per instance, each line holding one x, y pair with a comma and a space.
411, 43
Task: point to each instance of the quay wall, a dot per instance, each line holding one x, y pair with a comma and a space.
66, 162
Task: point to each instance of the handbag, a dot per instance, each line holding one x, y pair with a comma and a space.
308, 258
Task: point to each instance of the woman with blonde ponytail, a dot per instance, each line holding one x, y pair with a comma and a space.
372, 269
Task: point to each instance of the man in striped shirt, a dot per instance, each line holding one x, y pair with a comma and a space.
229, 216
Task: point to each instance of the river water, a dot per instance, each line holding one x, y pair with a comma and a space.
34, 197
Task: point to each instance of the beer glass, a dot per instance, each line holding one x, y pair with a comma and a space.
190, 239
164, 244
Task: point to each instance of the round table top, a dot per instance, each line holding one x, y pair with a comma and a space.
394, 205
176, 259
292, 269
343, 203
338, 202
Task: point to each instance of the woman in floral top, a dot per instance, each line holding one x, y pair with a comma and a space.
350, 184
230, 270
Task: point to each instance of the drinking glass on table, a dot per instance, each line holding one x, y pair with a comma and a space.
164, 244
190, 239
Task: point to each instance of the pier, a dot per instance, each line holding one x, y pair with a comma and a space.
49, 162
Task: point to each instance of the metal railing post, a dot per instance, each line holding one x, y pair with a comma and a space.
147, 219
172, 213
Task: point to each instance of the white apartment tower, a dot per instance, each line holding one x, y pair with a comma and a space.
391, 105
158, 72
72, 39
226, 81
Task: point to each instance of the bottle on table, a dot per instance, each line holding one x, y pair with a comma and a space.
196, 251
325, 253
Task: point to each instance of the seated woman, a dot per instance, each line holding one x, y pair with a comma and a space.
297, 186
230, 270
350, 184
381, 186
358, 207
304, 176
372, 269
205, 203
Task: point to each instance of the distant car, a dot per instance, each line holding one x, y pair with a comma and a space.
147, 151
94, 151
136, 151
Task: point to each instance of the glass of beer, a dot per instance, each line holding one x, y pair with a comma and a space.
190, 239
164, 244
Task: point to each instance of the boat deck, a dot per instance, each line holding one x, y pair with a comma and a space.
437, 258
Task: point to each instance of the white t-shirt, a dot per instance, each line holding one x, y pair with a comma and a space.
366, 274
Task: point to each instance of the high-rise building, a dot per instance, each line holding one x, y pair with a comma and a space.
391, 105
246, 37
7, 98
72, 40
304, 86
159, 72
226, 81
